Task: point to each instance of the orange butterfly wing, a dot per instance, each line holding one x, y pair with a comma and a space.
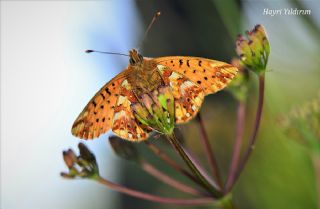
210, 75
188, 96
191, 78
97, 117
125, 124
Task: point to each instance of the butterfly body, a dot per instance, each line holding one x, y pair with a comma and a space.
188, 78
144, 77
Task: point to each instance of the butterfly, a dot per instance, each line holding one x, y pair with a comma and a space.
189, 78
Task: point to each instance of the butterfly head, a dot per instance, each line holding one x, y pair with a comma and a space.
136, 59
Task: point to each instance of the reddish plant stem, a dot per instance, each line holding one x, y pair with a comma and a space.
170, 162
203, 180
168, 180
154, 198
237, 145
253, 137
209, 152
196, 162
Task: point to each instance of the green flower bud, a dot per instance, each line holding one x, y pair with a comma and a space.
156, 110
254, 52
82, 166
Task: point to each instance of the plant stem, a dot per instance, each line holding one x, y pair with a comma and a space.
204, 182
316, 164
154, 198
255, 129
170, 162
237, 146
196, 162
208, 151
168, 180
226, 202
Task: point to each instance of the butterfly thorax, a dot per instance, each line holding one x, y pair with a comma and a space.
144, 76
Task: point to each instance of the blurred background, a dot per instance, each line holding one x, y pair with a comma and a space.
46, 80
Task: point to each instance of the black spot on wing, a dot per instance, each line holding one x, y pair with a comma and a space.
180, 62
108, 91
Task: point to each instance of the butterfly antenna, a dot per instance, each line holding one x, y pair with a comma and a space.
91, 51
155, 17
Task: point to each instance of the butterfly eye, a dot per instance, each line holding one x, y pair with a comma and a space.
132, 62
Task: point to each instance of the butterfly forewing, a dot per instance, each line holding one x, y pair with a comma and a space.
191, 78
210, 75
96, 118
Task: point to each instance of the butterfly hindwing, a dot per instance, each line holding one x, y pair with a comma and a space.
96, 117
188, 96
210, 75
124, 123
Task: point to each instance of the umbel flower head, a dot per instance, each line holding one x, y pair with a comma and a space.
303, 124
156, 110
254, 51
82, 166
